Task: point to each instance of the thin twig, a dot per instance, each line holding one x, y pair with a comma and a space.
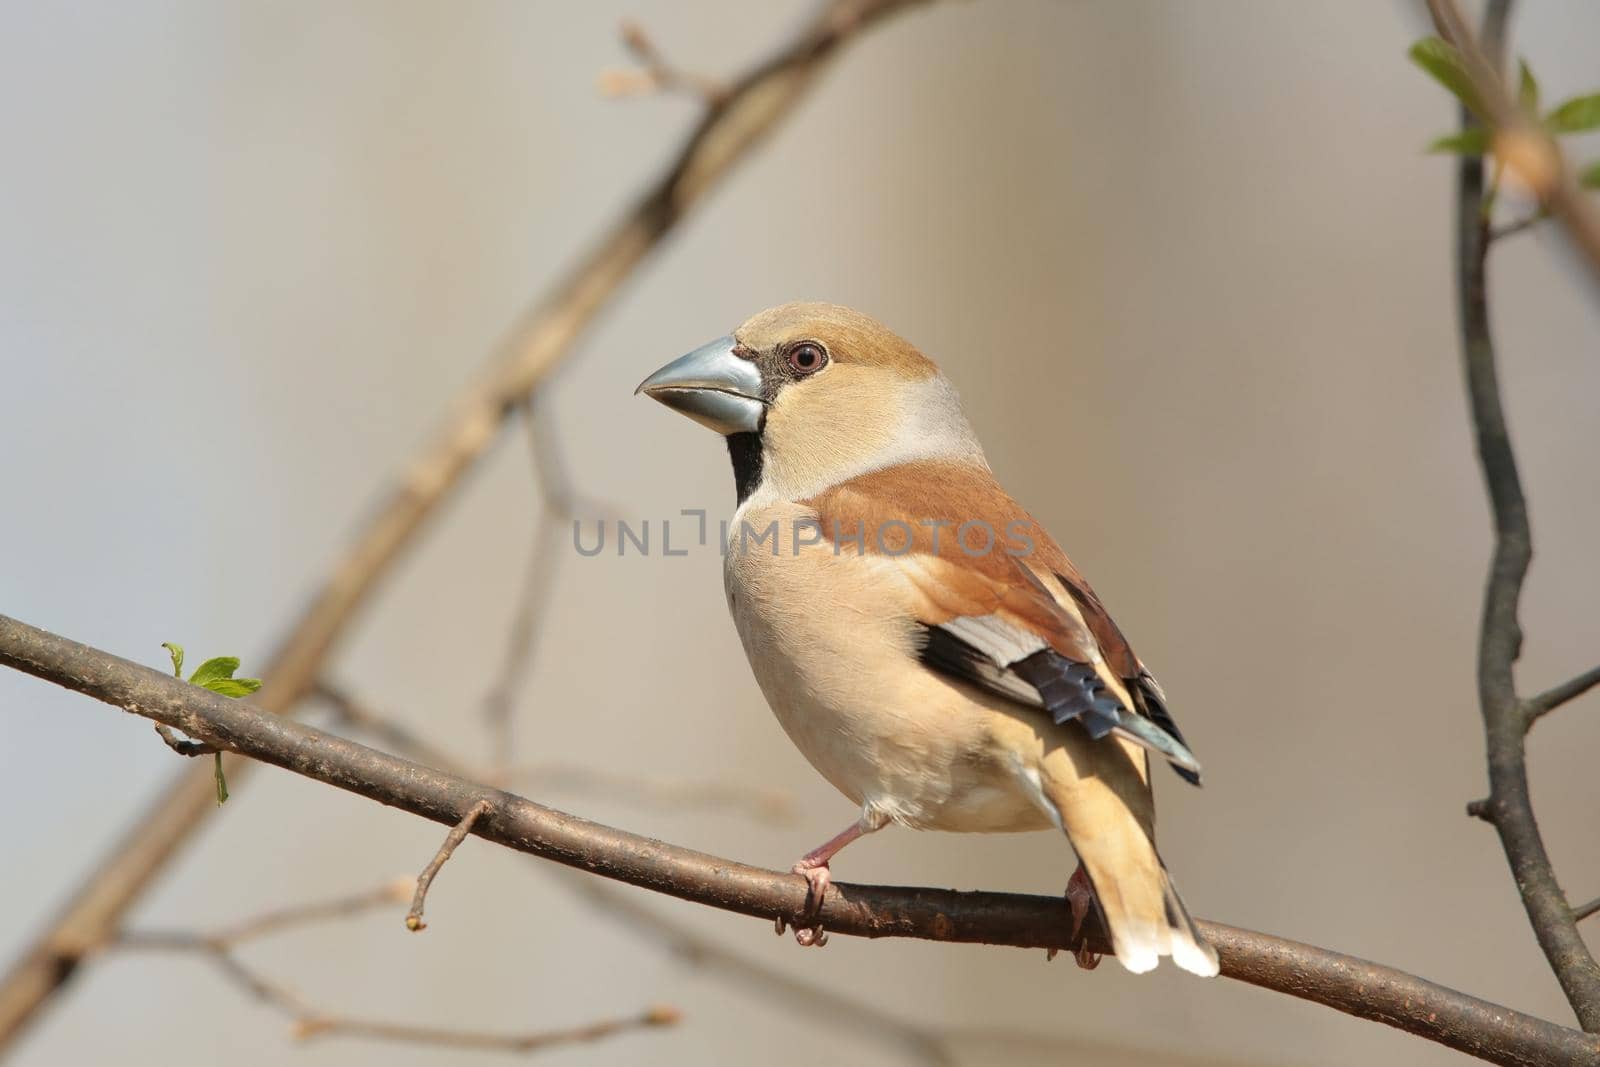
271, 922
1580, 914
471, 1040
558, 503
657, 73
1565, 693
458, 833
309, 1021
754, 105
183, 746
1509, 806
1358, 987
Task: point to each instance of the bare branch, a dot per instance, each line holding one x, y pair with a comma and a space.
558, 504
1580, 914
458, 833
1358, 987
1509, 806
1565, 693
467, 1039
271, 922
755, 103
310, 1022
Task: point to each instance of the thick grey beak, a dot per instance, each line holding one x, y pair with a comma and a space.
712, 386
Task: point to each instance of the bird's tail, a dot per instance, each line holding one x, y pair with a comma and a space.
1143, 912
1100, 792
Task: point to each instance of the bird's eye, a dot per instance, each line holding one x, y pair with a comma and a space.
807, 357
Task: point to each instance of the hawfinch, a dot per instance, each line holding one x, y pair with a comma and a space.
923, 642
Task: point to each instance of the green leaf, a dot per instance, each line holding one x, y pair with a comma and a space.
1575, 116
214, 668
1441, 60
1589, 177
222, 782
177, 657
1528, 91
233, 687
1473, 141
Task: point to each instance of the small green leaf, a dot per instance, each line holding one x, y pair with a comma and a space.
1528, 91
1444, 63
1575, 116
1589, 177
233, 687
177, 657
214, 668
1473, 141
222, 782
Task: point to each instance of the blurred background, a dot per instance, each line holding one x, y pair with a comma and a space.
1187, 264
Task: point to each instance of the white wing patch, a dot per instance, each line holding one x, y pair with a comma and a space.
1003, 642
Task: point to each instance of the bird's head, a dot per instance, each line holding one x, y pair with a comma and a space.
810, 395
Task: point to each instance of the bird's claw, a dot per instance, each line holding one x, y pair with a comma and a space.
811, 934
1080, 898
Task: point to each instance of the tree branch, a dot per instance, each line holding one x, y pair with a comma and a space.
730, 128
1519, 141
1565, 693
1357, 987
1509, 806
930, 1045
309, 1021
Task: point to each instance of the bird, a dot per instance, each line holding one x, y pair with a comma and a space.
926, 645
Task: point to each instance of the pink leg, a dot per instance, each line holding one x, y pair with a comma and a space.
1080, 896
813, 866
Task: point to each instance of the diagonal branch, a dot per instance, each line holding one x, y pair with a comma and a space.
1354, 986
1565, 693
730, 128
1509, 806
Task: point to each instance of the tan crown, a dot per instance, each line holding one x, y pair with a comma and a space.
848, 335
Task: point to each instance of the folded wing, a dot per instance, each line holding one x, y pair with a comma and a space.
1017, 619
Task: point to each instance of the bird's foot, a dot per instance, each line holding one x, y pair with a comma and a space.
1080, 898
817, 881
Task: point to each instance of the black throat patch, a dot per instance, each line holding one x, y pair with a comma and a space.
745, 451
